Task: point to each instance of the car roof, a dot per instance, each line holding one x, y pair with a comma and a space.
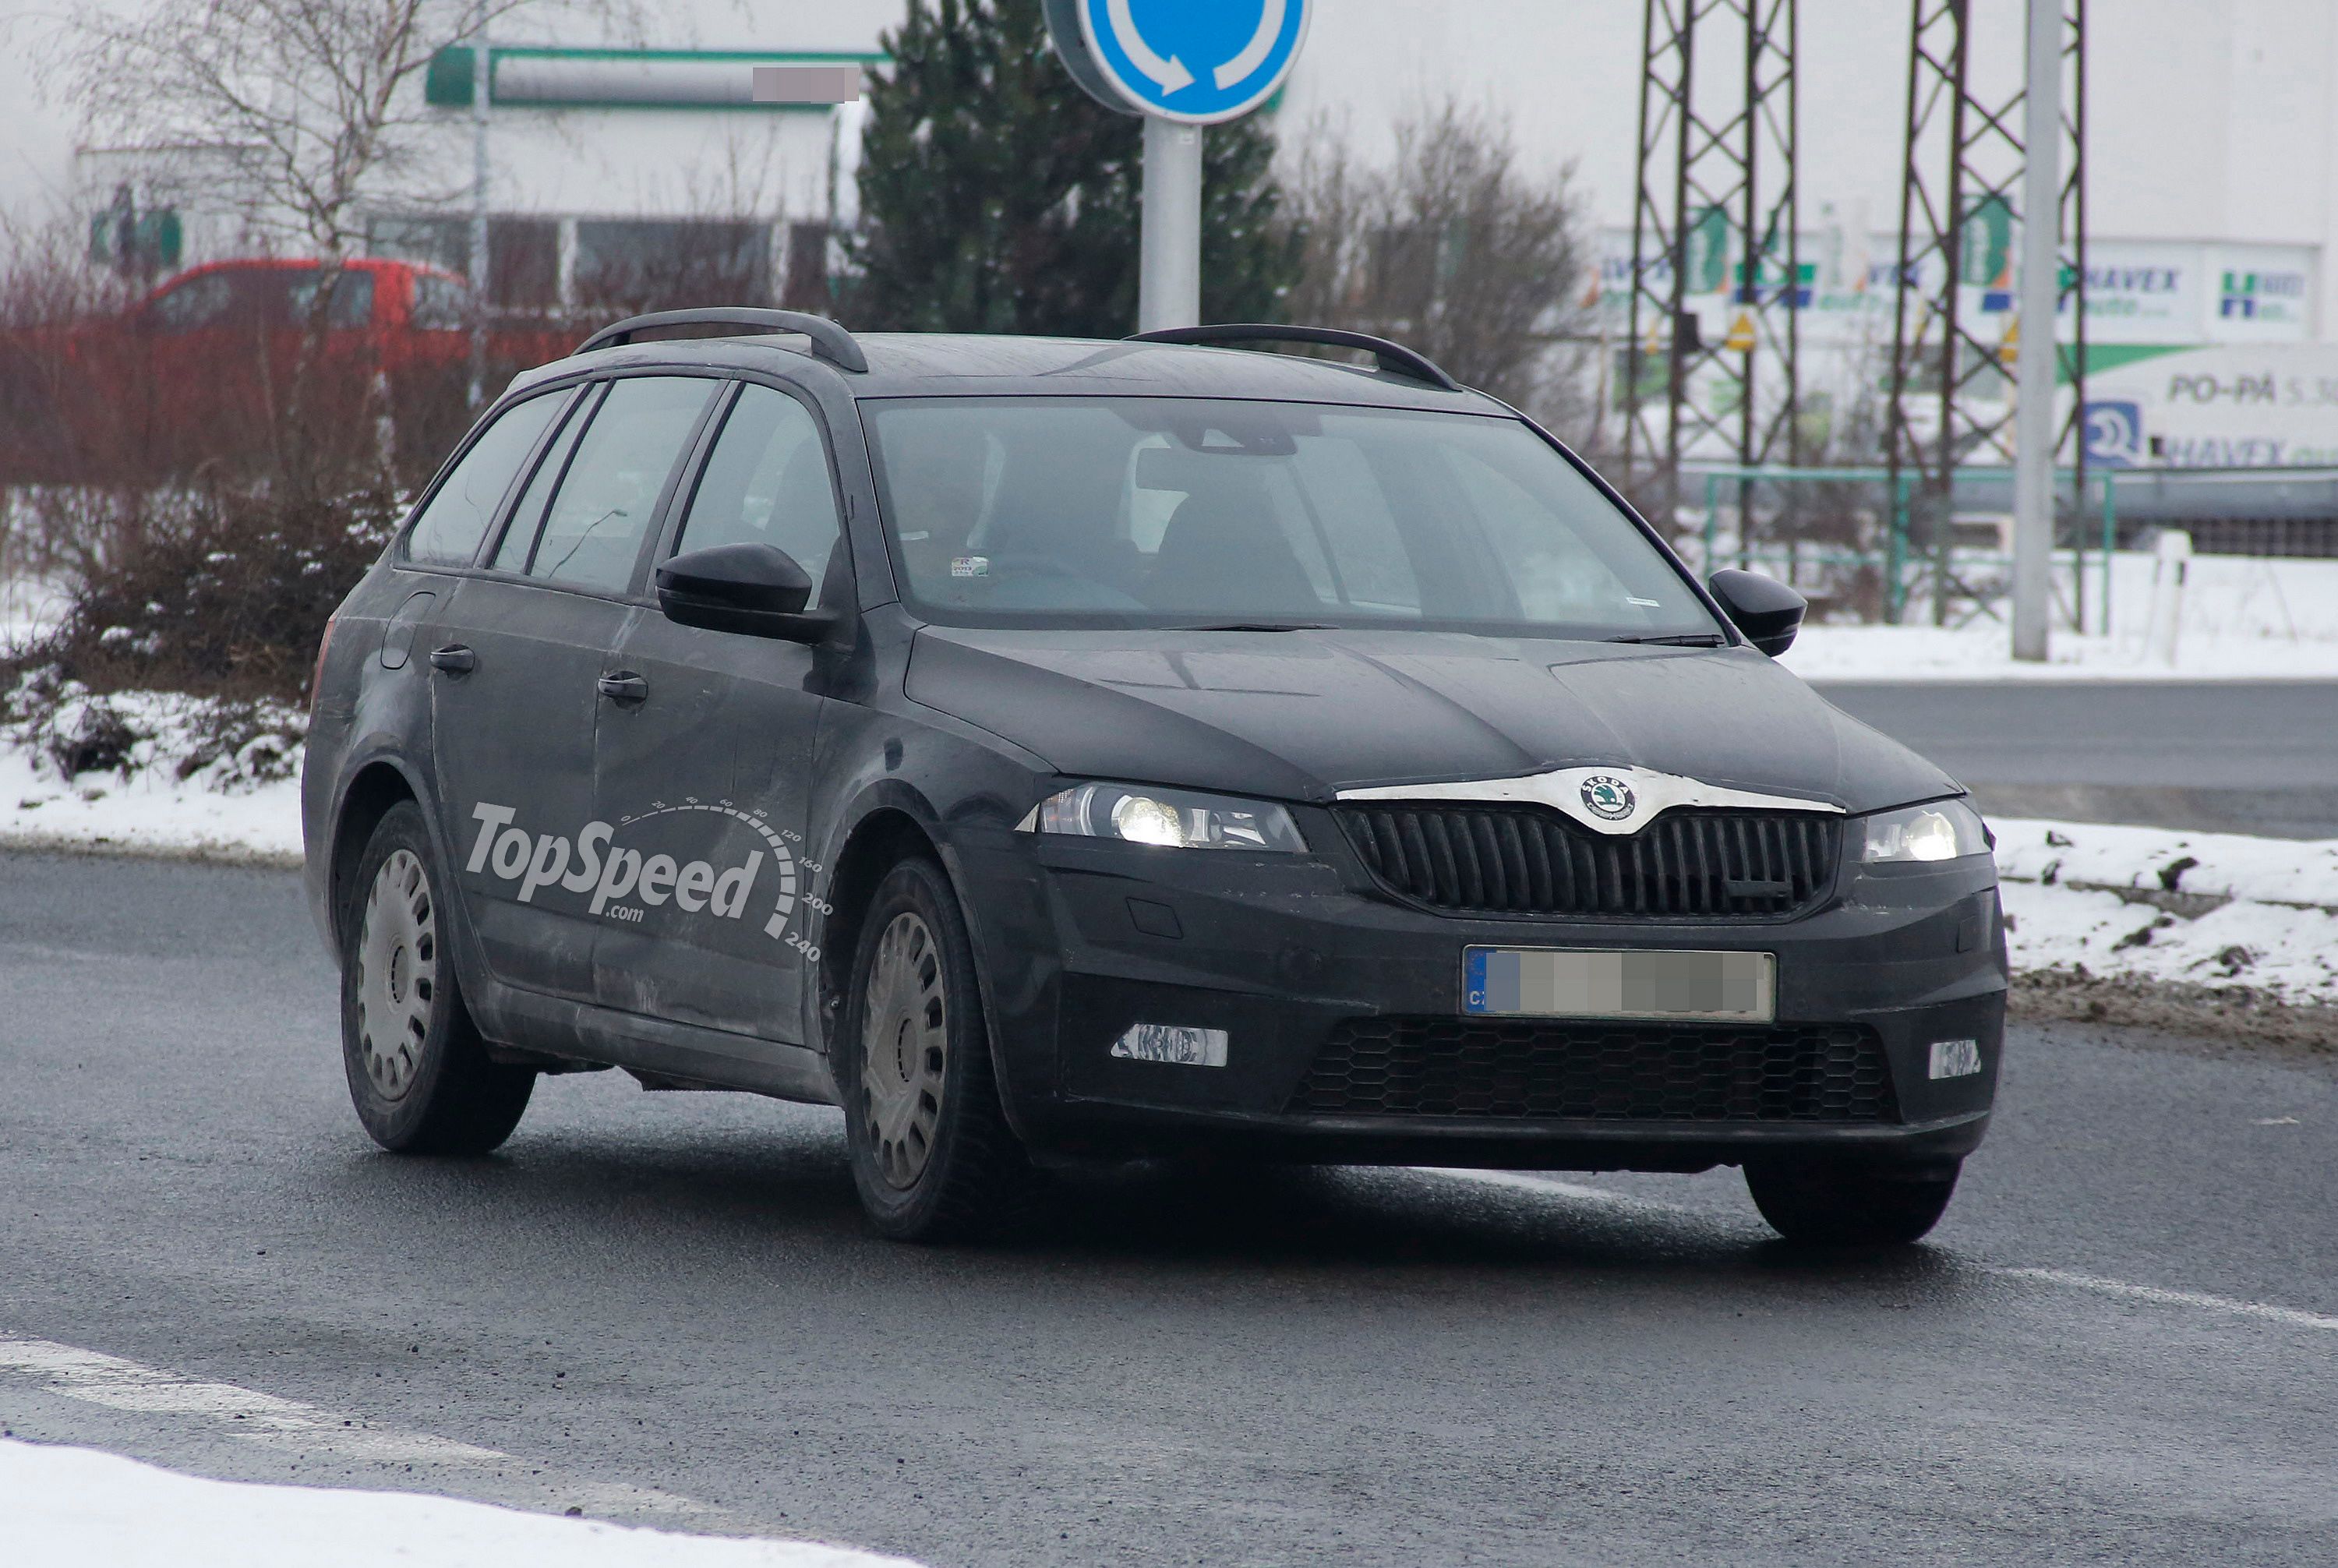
947, 364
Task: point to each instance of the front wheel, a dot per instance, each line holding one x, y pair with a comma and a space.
1844, 1204
932, 1156
418, 1069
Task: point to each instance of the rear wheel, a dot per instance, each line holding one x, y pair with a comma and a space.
418, 1070
932, 1156
1836, 1204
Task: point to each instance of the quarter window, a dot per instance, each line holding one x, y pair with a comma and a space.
767, 483
448, 530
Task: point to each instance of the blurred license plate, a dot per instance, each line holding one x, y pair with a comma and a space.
1634, 983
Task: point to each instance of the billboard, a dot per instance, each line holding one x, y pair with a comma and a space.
2217, 407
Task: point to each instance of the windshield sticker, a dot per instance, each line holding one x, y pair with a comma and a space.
969, 565
620, 881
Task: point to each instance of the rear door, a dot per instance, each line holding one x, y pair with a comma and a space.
705, 777
521, 653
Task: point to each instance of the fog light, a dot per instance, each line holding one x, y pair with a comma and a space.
1955, 1058
1177, 1042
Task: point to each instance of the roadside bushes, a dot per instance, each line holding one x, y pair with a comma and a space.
220, 594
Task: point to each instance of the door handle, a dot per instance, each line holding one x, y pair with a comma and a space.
625, 686
454, 658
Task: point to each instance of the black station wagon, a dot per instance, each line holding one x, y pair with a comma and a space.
1055, 751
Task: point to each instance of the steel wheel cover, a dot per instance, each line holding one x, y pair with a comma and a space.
398, 973
904, 1043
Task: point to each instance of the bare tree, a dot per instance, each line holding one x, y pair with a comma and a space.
317, 102
1456, 250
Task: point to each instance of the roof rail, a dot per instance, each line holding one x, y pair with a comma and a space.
829, 341
1393, 357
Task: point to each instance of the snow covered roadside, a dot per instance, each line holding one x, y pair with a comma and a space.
1984, 652
2198, 930
73, 1507
156, 773
2243, 619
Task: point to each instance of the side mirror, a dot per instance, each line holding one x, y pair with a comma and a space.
1764, 609
756, 590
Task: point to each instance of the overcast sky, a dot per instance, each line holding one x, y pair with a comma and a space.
2209, 120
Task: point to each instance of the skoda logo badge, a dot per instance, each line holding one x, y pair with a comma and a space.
1608, 797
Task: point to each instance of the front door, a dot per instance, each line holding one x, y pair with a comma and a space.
532, 642
704, 778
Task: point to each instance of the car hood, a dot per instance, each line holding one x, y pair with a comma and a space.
1300, 715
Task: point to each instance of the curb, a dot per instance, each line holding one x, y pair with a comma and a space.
204, 852
2229, 1013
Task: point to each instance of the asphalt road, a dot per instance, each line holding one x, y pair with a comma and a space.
2120, 1347
2234, 756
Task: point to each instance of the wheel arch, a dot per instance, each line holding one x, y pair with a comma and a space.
368, 796
886, 834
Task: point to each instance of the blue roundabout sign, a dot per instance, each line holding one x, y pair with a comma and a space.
1198, 61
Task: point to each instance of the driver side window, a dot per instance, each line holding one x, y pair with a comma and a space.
767, 481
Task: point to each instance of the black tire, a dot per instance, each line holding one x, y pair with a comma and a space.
1843, 1204
932, 1153
418, 1070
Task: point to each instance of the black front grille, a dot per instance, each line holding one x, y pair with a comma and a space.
1537, 1068
1530, 860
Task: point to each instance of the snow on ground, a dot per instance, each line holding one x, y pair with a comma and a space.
2223, 911
2240, 619
75, 1507
190, 777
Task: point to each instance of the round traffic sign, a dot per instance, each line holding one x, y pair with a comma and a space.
1195, 61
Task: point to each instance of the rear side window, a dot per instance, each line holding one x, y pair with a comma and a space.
527, 511
593, 533
767, 483
448, 530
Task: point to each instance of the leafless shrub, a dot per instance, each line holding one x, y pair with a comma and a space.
1454, 250
224, 595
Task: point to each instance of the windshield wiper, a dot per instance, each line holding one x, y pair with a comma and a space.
1677, 640
1259, 626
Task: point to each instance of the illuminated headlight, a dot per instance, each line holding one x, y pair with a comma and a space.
1939, 831
1166, 818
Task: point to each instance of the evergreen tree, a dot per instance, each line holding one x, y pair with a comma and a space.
995, 196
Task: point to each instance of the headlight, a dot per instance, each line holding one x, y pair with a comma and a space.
1166, 818
1937, 830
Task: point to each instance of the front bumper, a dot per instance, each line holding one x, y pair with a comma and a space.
1080, 939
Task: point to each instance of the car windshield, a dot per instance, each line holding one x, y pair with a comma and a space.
1137, 511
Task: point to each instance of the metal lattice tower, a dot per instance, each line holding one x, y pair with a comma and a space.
1714, 215
1959, 205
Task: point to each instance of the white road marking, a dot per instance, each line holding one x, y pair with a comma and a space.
2158, 1295
274, 1421
1522, 1181
2297, 1317
122, 1385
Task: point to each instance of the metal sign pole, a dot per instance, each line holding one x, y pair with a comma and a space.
2035, 427
479, 87
1169, 273
1181, 67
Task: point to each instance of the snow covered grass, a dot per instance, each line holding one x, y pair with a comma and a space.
75, 1507
2213, 912
151, 772
2242, 619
